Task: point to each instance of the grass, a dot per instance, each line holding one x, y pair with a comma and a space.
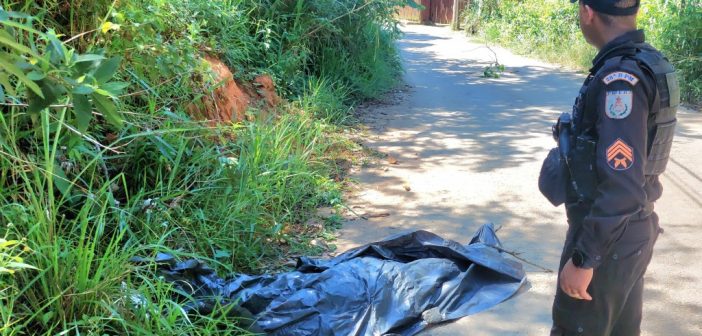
234, 203
77, 203
78, 259
327, 101
549, 30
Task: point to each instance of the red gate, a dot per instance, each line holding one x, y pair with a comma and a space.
441, 11
436, 11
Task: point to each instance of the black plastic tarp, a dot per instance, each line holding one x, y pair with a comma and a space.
400, 285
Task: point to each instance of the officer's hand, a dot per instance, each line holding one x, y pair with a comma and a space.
574, 281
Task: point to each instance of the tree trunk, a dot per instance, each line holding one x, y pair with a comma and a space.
455, 24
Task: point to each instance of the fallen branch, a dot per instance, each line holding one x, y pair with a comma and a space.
516, 256
376, 215
354, 212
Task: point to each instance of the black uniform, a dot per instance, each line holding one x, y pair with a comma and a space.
616, 146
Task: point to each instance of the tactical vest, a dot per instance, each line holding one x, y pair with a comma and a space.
660, 126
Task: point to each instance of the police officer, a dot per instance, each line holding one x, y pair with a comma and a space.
614, 146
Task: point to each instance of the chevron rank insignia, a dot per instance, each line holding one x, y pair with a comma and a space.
620, 156
618, 104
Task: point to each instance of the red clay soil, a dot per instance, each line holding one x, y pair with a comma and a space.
230, 100
266, 90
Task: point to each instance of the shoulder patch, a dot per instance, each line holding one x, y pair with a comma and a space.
618, 104
620, 156
620, 76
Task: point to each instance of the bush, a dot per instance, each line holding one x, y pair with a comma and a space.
549, 29
677, 31
100, 162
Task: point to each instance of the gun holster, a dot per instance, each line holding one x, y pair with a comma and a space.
583, 167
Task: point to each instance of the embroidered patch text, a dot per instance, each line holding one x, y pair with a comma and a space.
620, 76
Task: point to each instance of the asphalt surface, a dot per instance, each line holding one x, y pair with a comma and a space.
469, 150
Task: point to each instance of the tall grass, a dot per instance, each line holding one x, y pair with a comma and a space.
79, 256
546, 29
231, 203
78, 204
550, 30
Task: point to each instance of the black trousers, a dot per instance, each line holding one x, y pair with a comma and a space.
616, 287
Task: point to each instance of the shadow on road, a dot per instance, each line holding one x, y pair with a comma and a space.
469, 151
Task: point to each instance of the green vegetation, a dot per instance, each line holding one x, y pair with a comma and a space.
549, 29
99, 161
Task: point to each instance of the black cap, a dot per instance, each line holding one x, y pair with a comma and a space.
610, 7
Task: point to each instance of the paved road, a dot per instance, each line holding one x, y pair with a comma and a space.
470, 149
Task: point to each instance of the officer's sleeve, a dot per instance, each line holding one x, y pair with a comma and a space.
621, 104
